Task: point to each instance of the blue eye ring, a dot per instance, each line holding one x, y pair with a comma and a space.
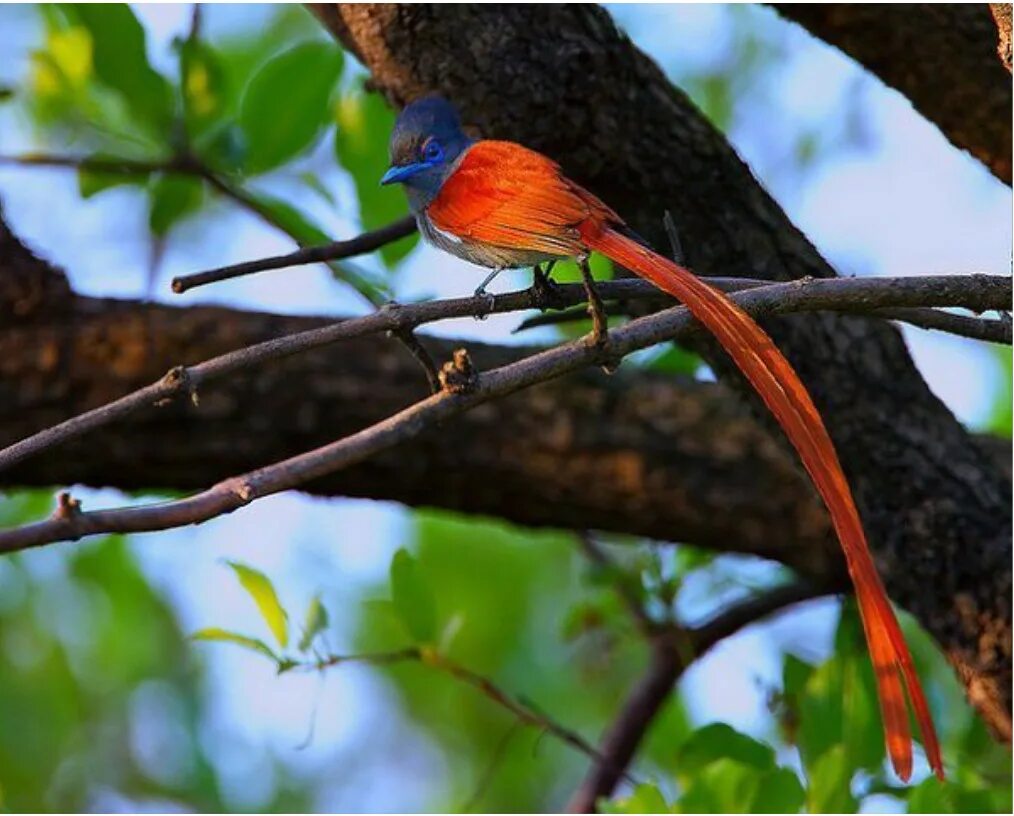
431, 151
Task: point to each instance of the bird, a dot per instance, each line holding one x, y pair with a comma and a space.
501, 205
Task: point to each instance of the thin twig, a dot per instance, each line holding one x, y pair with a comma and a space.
229, 495
668, 662
624, 584
336, 250
189, 164
525, 714
978, 292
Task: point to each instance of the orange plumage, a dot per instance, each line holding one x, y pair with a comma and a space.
505, 197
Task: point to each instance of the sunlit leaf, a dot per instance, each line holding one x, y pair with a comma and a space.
364, 128
932, 796
213, 633
314, 623
285, 105
203, 86
723, 786
676, 360
121, 61
172, 198
645, 798
260, 588
71, 52
778, 791
830, 779
413, 598
1002, 414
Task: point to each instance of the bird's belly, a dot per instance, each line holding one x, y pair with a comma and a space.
487, 255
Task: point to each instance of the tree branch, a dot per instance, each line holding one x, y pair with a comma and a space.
428, 657
336, 250
673, 651
234, 493
941, 56
977, 292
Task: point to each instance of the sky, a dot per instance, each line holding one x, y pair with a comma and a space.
885, 195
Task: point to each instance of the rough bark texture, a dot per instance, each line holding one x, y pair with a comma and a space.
630, 453
942, 56
1002, 15
564, 81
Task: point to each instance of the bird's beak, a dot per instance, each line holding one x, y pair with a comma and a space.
399, 172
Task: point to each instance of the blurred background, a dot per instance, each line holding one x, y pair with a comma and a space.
105, 701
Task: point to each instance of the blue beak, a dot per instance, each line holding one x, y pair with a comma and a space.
398, 173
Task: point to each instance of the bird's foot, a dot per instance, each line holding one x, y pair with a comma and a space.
599, 338
481, 292
489, 302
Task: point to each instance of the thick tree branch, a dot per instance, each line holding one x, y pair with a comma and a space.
233, 493
564, 81
977, 292
942, 56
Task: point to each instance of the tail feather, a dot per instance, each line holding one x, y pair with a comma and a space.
786, 397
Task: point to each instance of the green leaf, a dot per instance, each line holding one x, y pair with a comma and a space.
413, 598
121, 62
172, 198
721, 741
93, 182
795, 674
676, 360
257, 584
830, 779
724, 786
223, 635
779, 791
314, 624
285, 104
364, 128
932, 796
645, 798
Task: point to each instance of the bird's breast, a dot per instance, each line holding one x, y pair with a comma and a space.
488, 255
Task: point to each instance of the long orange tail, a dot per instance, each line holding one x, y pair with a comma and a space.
779, 386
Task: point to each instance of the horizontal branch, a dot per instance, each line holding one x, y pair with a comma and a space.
429, 657
804, 295
976, 292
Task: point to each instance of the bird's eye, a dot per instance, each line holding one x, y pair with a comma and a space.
432, 151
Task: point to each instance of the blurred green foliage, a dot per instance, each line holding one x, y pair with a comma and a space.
103, 698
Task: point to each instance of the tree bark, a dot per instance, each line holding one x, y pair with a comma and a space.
1002, 15
942, 56
564, 81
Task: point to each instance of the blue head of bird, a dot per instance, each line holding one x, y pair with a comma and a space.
426, 143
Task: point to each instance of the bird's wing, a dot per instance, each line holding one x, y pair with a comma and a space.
509, 196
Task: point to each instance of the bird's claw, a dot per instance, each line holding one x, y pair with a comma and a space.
600, 327
490, 302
